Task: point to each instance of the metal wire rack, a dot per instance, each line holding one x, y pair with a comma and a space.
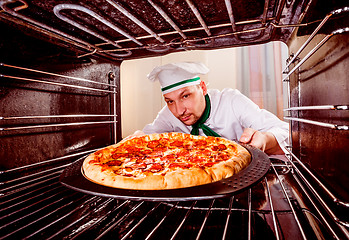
296, 164
37, 206
259, 28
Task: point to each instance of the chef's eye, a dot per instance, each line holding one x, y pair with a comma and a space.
186, 95
169, 101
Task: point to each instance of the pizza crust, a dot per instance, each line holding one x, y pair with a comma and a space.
176, 178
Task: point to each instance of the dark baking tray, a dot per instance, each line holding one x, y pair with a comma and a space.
73, 178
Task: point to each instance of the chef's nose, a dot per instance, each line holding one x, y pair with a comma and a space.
180, 108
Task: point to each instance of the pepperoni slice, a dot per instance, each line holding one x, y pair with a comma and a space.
94, 161
183, 152
188, 146
176, 143
114, 163
152, 144
146, 151
136, 166
170, 157
232, 147
219, 147
205, 153
222, 147
132, 149
200, 143
101, 154
180, 165
119, 155
223, 156
164, 141
214, 148
195, 159
156, 167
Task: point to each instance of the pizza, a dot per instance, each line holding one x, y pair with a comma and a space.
165, 161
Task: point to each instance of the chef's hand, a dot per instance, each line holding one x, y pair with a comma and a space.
264, 141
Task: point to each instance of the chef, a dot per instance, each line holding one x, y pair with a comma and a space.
192, 108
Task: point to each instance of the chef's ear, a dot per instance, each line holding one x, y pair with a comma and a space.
203, 87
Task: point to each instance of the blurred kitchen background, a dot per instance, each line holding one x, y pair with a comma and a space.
256, 71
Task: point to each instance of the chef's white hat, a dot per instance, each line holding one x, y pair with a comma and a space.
174, 76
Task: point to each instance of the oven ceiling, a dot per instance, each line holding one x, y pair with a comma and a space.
123, 29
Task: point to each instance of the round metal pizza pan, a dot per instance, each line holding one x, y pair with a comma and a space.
72, 177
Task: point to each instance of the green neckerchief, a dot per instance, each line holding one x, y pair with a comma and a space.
200, 123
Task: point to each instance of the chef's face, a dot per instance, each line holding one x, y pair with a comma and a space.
188, 103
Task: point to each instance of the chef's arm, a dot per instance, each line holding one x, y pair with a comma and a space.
265, 141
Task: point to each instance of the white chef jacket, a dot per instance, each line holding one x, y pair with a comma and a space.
231, 112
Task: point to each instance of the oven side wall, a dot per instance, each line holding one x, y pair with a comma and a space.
21, 98
322, 80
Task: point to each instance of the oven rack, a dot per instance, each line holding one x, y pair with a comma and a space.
45, 29
317, 123
69, 78
55, 75
179, 39
54, 83
300, 50
321, 124
46, 162
293, 159
319, 107
320, 44
56, 125
36, 205
343, 225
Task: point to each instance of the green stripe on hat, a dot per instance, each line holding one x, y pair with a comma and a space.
180, 83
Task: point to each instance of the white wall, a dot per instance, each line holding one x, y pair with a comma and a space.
141, 99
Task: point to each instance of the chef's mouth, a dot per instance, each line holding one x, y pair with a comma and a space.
185, 118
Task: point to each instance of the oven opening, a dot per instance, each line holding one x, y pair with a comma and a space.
256, 71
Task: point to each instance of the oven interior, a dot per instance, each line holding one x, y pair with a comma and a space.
60, 100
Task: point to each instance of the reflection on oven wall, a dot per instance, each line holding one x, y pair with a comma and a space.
256, 71
319, 94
